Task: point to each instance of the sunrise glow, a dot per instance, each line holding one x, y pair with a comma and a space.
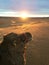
24, 15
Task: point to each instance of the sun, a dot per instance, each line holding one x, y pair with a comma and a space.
24, 15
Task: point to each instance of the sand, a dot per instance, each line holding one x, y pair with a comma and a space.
37, 52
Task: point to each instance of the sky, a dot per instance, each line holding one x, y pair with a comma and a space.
32, 6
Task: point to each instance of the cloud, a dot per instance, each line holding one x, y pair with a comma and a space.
33, 6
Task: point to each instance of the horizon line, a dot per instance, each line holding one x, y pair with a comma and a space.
18, 14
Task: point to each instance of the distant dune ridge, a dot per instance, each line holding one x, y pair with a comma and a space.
38, 50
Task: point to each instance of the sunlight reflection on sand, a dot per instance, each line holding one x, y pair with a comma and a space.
20, 29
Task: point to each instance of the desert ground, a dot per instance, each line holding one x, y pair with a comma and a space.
37, 52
